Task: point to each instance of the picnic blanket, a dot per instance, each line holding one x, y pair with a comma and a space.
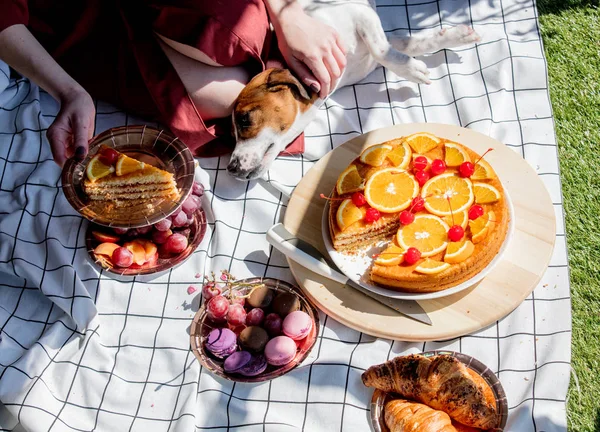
82, 350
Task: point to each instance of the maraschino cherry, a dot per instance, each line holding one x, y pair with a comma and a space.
412, 255
358, 199
418, 204
466, 169
456, 232
372, 215
108, 156
438, 166
420, 163
422, 177
475, 212
406, 217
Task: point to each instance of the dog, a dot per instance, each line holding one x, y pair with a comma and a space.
275, 107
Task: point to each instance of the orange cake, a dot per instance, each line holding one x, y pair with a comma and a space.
116, 180
440, 205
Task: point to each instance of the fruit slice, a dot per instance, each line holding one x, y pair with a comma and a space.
401, 155
375, 155
349, 181
430, 266
428, 233
459, 251
106, 249
422, 142
103, 237
483, 171
126, 165
149, 247
481, 226
391, 256
347, 214
455, 155
138, 251
96, 169
447, 191
485, 193
461, 219
390, 190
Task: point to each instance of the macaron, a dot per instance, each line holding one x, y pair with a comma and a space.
285, 303
261, 297
236, 361
280, 351
254, 338
297, 325
222, 342
256, 366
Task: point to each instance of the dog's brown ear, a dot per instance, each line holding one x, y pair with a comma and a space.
279, 79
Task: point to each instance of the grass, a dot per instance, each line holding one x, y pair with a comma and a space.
571, 35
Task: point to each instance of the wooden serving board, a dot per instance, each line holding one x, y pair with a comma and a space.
509, 283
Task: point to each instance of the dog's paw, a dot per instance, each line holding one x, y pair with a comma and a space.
414, 70
457, 36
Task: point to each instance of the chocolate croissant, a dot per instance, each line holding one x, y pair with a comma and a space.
406, 416
441, 382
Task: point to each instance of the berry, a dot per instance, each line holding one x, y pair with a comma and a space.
236, 299
456, 233
144, 230
190, 205
418, 204
122, 257
272, 324
475, 212
412, 255
358, 199
438, 166
108, 156
210, 290
198, 189
406, 217
420, 163
176, 243
179, 220
236, 315
120, 231
255, 317
422, 177
466, 169
372, 215
217, 307
163, 225
159, 237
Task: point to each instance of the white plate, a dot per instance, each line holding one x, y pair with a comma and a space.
356, 266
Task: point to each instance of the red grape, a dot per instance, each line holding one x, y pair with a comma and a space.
236, 315
159, 237
198, 189
144, 230
255, 317
190, 205
163, 225
210, 290
120, 231
272, 324
179, 220
122, 257
217, 307
185, 232
176, 243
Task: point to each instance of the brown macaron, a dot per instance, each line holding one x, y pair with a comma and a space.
254, 338
261, 297
285, 303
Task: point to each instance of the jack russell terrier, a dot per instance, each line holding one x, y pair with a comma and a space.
274, 108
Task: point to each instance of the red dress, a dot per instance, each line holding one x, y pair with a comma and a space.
110, 48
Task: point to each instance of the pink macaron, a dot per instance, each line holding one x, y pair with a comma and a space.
297, 325
280, 351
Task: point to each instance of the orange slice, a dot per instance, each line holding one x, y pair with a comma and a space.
428, 233
106, 249
430, 266
96, 169
422, 142
447, 191
126, 165
375, 155
483, 171
455, 155
460, 218
391, 256
349, 181
391, 190
347, 214
481, 226
401, 155
459, 251
485, 193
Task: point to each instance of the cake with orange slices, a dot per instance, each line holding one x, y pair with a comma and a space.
440, 205
115, 179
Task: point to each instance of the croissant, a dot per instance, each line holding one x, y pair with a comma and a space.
406, 416
442, 382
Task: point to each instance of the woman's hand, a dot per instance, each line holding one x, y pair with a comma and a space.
73, 127
312, 49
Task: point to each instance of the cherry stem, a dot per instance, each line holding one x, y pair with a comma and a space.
330, 199
481, 157
451, 212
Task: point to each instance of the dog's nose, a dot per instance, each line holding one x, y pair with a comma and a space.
234, 166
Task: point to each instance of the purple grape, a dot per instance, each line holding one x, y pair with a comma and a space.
176, 243
198, 189
159, 237
191, 204
120, 231
185, 232
272, 324
180, 220
144, 230
255, 317
163, 225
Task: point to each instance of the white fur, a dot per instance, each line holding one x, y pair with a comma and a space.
367, 47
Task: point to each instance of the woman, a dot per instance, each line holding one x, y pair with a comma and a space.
181, 62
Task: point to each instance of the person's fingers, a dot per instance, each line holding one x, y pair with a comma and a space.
80, 138
334, 70
58, 137
304, 74
340, 43
340, 57
317, 66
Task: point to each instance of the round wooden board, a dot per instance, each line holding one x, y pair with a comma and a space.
513, 279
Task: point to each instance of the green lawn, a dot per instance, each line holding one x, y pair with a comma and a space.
571, 34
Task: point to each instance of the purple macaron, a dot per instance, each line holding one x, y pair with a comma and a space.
221, 342
256, 366
237, 361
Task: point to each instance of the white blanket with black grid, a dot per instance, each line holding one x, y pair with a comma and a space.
83, 351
